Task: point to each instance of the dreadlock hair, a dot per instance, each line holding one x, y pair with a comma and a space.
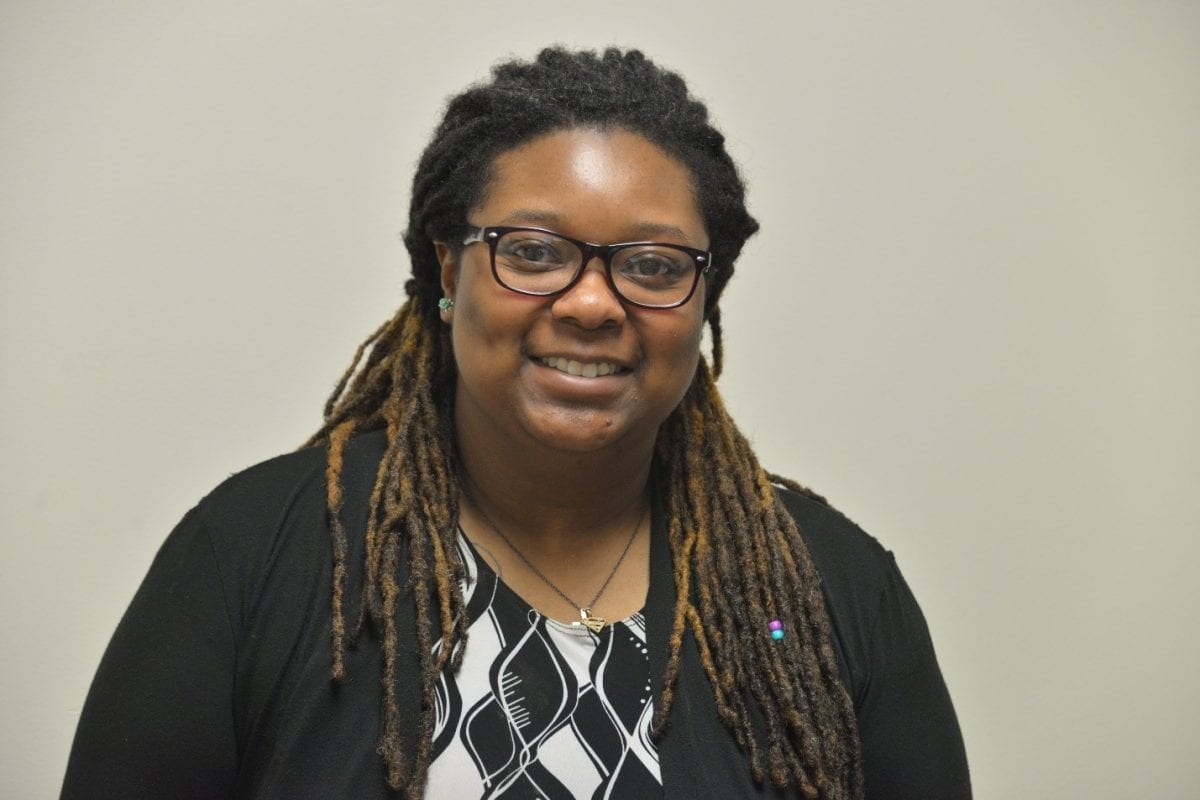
739, 560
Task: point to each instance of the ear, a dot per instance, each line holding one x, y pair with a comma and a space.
449, 262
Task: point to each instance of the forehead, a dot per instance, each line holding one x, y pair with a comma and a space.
594, 183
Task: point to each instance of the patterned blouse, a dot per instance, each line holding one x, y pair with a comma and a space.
540, 708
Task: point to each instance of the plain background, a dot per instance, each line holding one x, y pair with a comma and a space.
971, 316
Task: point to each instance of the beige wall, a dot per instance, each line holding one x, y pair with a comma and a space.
970, 318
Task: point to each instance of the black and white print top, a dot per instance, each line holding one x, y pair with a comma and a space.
540, 708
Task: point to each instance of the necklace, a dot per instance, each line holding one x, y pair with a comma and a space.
586, 618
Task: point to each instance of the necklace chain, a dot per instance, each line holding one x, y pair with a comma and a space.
586, 617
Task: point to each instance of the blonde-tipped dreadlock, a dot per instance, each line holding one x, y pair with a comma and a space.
738, 558
726, 529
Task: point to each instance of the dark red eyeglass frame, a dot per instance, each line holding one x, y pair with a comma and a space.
491, 234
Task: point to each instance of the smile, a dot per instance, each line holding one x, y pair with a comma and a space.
589, 370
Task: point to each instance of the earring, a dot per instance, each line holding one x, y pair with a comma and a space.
445, 304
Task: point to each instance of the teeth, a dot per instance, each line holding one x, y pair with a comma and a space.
579, 368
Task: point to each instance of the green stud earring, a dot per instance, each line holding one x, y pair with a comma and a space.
445, 304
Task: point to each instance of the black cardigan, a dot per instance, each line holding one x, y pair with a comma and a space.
216, 683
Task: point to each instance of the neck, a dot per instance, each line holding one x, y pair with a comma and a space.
560, 528
551, 499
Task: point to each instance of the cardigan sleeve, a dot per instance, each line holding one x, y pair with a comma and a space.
911, 743
158, 720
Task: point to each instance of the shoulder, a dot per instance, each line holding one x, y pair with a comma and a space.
279, 483
852, 564
264, 495
270, 519
911, 743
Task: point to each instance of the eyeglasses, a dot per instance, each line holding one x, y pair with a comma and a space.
542, 263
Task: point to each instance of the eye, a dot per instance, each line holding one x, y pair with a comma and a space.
654, 267
525, 250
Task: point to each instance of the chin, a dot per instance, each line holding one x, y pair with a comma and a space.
579, 433
577, 441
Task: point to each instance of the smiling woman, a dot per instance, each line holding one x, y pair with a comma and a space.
512, 394
558, 569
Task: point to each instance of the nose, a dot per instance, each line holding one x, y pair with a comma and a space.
591, 301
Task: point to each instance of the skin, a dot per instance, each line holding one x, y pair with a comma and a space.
561, 462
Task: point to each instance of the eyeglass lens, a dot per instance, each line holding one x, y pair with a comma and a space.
537, 262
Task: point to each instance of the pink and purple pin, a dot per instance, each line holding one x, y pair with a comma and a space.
776, 629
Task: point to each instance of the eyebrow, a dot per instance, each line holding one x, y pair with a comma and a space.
527, 216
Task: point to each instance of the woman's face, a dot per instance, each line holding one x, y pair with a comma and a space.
514, 351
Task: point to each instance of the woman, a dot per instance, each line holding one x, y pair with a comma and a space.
558, 569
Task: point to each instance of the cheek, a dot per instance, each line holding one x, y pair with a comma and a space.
475, 319
469, 338
689, 337
692, 348
488, 329
681, 348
